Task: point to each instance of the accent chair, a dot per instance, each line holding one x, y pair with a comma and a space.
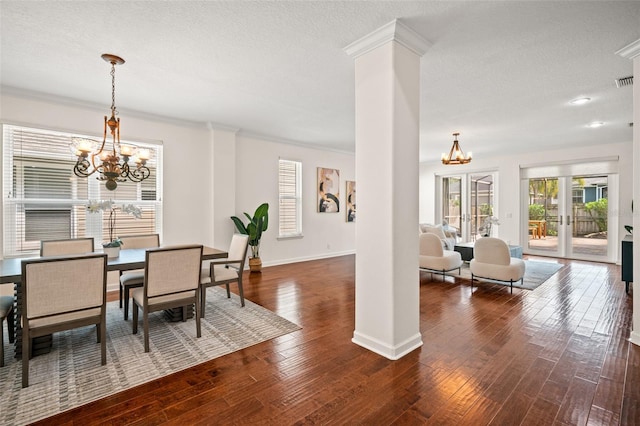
492, 260
434, 259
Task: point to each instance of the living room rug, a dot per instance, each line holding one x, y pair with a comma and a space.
535, 273
71, 374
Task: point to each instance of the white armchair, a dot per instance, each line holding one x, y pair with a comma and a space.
447, 236
492, 260
434, 259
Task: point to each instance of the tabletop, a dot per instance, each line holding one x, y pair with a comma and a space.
10, 268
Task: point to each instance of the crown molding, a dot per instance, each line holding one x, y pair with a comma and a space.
393, 31
72, 102
630, 51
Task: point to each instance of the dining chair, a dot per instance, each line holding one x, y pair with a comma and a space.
171, 280
61, 294
226, 271
134, 278
6, 312
66, 247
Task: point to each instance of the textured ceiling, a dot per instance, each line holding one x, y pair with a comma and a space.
500, 73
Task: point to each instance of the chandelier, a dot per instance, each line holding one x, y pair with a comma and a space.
456, 156
112, 164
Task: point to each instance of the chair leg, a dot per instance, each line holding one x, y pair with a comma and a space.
203, 299
241, 291
11, 326
145, 325
184, 313
2, 342
472, 278
228, 292
103, 341
120, 293
198, 329
134, 325
25, 357
126, 303
511, 286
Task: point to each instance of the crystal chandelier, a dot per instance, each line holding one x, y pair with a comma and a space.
112, 164
456, 156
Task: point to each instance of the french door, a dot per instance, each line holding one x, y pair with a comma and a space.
467, 201
568, 216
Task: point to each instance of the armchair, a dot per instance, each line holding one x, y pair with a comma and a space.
434, 259
492, 260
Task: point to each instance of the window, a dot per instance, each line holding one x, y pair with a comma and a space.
290, 198
577, 194
44, 200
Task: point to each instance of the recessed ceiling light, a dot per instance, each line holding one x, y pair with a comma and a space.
580, 101
596, 124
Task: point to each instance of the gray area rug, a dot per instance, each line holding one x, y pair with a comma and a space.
535, 273
71, 374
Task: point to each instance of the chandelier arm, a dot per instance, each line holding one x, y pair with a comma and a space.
139, 174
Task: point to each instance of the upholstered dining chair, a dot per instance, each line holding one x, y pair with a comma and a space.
433, 258
492, 260
62, 293
226, 271
66, 247
6, 313
135, 278
171, 280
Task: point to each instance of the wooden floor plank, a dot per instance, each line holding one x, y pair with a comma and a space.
557, 355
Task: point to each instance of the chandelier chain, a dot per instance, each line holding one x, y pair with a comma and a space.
113, 89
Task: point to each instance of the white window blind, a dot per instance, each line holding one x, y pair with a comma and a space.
290, 198
44, 200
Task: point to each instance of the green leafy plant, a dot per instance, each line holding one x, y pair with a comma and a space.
258, 223
536, 212
598, 212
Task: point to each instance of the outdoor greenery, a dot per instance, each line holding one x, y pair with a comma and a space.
536, 212
598, 212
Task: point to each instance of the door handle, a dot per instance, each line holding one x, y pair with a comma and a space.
560, 217
568, 220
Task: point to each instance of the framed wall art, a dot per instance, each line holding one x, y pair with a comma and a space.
328, 190
351, 201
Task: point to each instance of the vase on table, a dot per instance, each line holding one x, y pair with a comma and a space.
111, 252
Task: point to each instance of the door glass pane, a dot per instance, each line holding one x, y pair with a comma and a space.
452, 202
481, 205
543, 214
589, 215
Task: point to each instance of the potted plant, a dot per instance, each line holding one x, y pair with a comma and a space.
112, 247
254, 229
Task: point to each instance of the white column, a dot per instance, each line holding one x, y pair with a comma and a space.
387, 91
632, 51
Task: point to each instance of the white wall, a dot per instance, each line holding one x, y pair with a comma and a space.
325, 234
508, 182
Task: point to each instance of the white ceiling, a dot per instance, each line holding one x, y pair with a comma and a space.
500, 73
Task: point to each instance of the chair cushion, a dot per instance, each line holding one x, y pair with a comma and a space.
132, 278
514, 271
62, 318
449, 260
6, 303
138, 295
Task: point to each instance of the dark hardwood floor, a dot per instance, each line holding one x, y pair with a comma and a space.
558, 355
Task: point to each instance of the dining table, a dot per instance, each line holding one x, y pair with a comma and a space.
128, 259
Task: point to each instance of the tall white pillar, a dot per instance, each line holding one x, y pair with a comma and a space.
387, 91
632, 51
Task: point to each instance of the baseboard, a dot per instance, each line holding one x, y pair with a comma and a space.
635, 338
390, 352
307, 258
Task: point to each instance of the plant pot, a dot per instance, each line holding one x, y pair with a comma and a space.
255, 264
111, 251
